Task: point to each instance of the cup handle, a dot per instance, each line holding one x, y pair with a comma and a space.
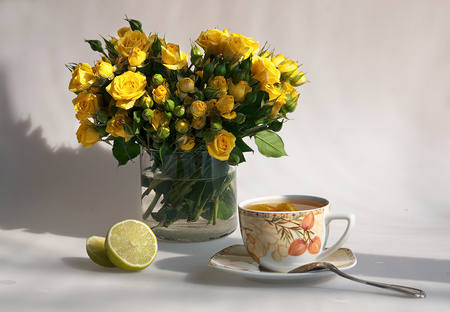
350, 217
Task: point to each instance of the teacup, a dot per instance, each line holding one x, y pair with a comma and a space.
284, 240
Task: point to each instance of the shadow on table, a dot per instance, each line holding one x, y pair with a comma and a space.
421, 269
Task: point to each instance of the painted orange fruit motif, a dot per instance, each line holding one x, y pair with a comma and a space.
297, 247
314, 245
308, 221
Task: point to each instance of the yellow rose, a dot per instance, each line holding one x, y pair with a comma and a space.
198, 122
131, 39
160, 94
198, 108
186, 85
137, 57
172, 57
86, 134
83, 78
159, 119
85, 104
289, 89
236, 46
273, 91
186, 142
277, 98
222, 145
264, 70
116, 124
239, 90
210, 40
220, 84
121, 32
225, 105
103, 69
127, 88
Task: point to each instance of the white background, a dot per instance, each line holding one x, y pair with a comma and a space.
371, 132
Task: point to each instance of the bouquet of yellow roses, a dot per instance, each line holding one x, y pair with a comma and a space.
145, 92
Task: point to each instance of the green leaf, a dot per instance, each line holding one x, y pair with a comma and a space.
270, 144
125, 151
165, 150
243, 146
227, 205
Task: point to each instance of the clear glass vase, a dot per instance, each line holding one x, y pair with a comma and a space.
187, 196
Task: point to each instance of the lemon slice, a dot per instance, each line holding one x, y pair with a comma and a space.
95, 248
131, 245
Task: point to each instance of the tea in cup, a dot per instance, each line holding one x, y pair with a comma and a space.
282, 233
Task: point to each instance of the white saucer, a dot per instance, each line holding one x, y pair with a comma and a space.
236, 260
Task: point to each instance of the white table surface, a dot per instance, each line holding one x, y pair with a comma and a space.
47, 272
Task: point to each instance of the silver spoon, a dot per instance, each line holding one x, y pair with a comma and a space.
414, 292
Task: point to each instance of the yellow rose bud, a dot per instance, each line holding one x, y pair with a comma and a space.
103, 69
265, 71
276, 109
277, 59
116, 124
86, 134
222, 145
127, 88
287, 68
186, 85
210, 40
130, 40
83, 78
298, 79
172, 57
137, 57
85, 104
198, 108
220, 84
239, 90
210, 105
160, 94
198, 122
182, 126
186, 142
225, 105
159, 119
146, 101
163, 132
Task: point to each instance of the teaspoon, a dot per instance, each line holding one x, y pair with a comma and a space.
414, 292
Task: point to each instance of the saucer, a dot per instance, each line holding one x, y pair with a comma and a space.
236, 260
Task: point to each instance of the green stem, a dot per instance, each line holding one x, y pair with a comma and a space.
151, 206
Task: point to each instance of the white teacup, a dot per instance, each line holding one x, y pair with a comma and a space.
284, 240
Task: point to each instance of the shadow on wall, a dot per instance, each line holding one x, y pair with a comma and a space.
65, 192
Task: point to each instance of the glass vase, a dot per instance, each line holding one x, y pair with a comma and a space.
187, 196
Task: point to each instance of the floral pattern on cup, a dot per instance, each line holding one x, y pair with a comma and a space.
298, 235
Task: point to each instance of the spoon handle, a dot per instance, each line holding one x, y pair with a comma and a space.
414, 292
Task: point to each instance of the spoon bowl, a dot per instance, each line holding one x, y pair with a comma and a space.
318, 265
